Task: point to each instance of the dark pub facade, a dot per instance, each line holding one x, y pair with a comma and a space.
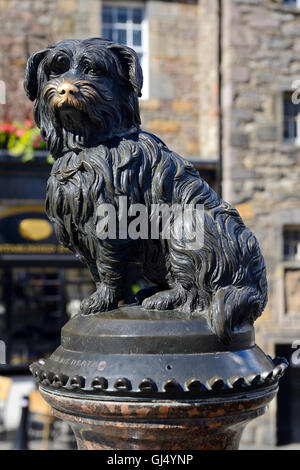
41, 282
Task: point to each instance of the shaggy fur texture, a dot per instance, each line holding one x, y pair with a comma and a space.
101, 154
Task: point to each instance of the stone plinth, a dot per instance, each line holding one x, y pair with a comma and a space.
100, 424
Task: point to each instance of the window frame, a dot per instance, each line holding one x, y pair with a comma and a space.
288, 264
289, 229
279, 265
144, 48
294, 140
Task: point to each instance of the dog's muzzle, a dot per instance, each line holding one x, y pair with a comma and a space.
74, 104
67, 92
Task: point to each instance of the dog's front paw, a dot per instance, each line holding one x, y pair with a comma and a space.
102, 300
165, 300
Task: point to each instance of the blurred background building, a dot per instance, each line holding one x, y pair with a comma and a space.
219, 78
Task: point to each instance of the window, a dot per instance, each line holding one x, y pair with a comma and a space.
291, 240
290, 2
126, 24
36, 301
291, 124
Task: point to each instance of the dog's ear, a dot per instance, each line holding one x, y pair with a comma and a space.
30, 81
131, 68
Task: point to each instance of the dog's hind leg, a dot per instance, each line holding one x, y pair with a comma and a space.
166, 299
176, 297
181, 293
185, 294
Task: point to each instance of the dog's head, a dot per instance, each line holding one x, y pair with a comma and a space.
86, 92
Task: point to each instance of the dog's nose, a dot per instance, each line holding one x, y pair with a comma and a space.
67, 88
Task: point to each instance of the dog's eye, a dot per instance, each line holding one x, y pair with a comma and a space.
60, 64
90, 69
93, 72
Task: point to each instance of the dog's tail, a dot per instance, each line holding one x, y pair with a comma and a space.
244, 299
230, 305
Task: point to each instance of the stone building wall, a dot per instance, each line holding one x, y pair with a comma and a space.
261, 173
29, 25
172, 108
25, 26
208, 53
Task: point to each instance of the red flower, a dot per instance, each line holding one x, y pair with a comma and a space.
20, 132
38, 142
29, 123
7, 127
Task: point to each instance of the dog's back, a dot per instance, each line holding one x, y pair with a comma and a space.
226, 272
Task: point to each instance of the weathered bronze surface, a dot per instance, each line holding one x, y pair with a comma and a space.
131, 352
136, 379
86, 105
179, 369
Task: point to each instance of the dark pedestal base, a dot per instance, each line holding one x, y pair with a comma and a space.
100, 424
135, 379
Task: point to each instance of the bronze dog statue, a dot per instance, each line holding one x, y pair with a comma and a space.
86, 105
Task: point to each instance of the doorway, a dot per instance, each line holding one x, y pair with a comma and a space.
288, 399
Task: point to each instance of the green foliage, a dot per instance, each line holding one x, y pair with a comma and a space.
22, 140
